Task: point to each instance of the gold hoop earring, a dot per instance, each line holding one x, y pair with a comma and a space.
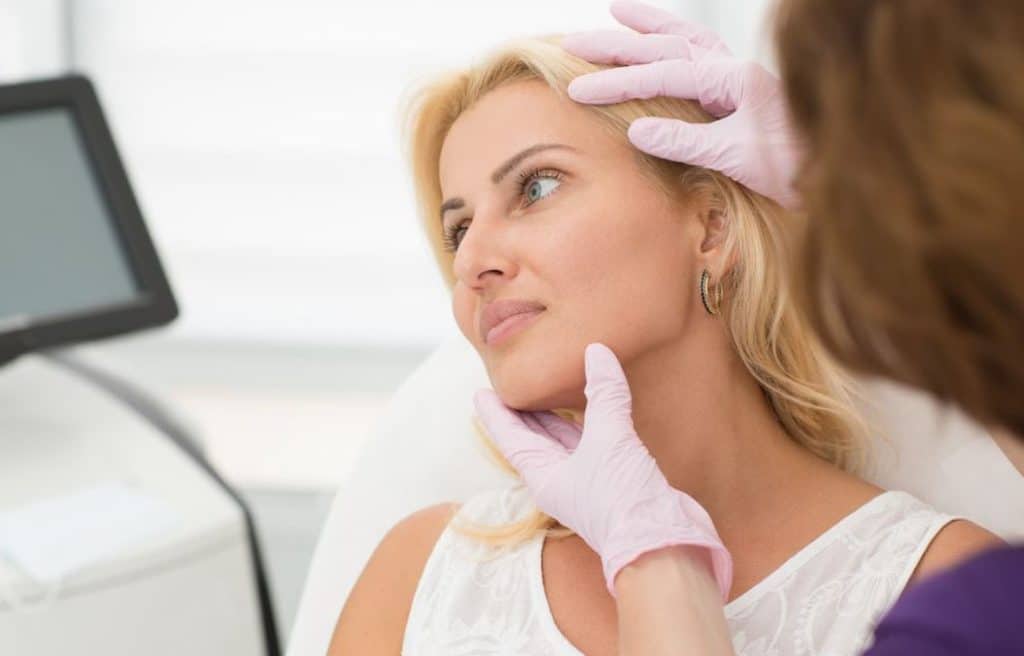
705, 297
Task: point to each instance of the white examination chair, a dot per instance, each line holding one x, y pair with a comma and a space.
424, 451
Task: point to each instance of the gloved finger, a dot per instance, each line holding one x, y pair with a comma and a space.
566, 432
699, 144
534, 425
609, 401
647, 19
532, 454
620, 47
714, 146
616, 85
717, 84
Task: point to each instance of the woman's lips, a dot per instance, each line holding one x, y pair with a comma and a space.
497, 310
510, 326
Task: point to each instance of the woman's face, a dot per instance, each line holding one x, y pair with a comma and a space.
588, 236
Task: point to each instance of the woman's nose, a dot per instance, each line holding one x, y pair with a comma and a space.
484, 248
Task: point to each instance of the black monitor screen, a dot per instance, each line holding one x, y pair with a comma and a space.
76, 259
59, 253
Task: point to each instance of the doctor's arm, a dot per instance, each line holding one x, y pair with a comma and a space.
373, 619
668, 603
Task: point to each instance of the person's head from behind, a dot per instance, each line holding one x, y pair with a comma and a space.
610, 241
912, 265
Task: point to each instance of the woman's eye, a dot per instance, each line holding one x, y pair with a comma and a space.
533, 186
539, 187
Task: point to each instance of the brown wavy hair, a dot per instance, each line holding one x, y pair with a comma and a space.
911, 264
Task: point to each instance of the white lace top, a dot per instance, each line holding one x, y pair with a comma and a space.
474, 600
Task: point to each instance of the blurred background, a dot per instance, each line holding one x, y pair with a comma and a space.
262, 140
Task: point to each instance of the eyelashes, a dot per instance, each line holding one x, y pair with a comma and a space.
525, 179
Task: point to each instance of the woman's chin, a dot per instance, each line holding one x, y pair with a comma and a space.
536, 377
534, 397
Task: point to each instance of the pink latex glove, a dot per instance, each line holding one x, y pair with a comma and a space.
753, 144
601, 481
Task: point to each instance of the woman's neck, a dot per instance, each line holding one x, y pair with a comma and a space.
1012, 446
707, 423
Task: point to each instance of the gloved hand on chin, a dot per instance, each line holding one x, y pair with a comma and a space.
599, 479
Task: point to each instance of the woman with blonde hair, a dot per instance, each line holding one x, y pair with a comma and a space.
577, 263
898, 129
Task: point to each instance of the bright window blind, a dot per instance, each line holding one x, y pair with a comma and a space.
262, 139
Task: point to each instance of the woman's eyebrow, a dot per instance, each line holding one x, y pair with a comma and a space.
514, 161
503, 170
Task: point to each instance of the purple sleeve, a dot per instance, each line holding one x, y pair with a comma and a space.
976, 609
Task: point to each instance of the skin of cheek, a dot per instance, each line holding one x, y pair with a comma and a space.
613, 268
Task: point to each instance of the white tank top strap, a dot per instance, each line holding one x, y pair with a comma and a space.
824, 600
827, 597
475, 599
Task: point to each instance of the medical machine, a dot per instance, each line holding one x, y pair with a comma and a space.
116, 536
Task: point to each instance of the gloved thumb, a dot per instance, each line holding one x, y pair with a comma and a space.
566, 432
608, 397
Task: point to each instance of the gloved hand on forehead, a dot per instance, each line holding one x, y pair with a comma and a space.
599, 479
751, 142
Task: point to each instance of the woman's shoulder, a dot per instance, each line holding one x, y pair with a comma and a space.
417, 533
415, 537
944, 539
902, 520
410, 541
949, 539
375, 614
972, 605
957, 541
421, 529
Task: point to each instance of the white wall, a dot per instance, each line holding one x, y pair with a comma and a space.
741, 23
32, 39
262, 140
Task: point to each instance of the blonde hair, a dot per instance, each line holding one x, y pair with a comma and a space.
810, 395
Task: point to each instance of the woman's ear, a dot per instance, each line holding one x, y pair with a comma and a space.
715, 222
